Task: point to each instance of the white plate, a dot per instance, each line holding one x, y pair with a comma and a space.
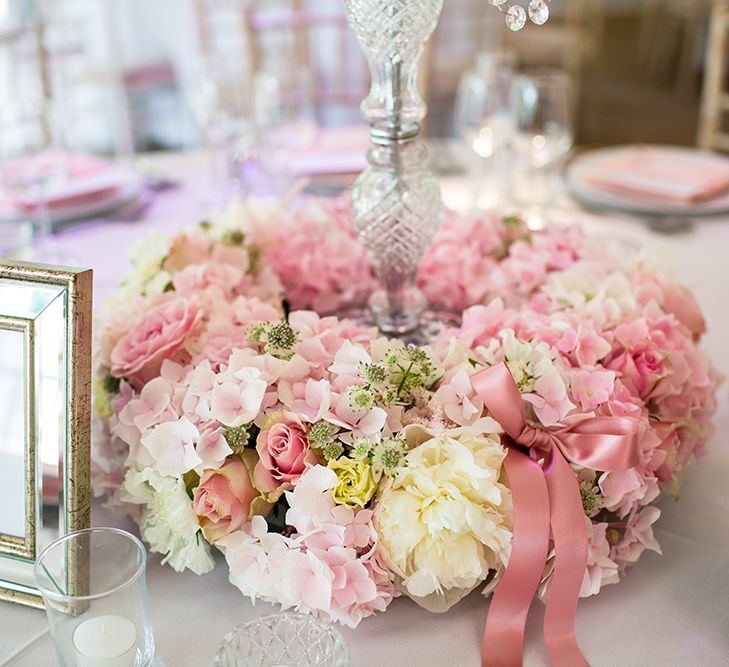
129, 186
579, 185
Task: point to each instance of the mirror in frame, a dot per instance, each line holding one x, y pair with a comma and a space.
45, 418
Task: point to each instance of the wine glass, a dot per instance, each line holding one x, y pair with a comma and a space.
285, 118
483, 118
543, 134
222, 107
33, 165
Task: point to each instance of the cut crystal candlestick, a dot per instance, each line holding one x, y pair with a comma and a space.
396, 205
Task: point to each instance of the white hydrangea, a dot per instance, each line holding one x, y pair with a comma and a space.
606, 298
168, 523
444, 521
256, 218
147, 257
527, 361
533, 366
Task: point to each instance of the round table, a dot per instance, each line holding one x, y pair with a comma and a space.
668, 610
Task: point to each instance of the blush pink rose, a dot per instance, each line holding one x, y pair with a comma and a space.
677, 443
222, 500
639, 369
681, 303
156, 338
284, 455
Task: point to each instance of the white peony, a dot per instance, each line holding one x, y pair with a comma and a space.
444, 521
168, 523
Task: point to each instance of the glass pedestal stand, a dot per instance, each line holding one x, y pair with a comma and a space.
396, 204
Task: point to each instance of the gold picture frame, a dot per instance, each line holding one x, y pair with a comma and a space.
47, 312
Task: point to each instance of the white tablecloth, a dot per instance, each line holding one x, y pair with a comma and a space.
669, 610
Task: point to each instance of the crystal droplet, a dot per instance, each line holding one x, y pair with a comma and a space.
515, 18
538, 12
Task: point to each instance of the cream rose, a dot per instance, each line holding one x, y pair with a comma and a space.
445, 519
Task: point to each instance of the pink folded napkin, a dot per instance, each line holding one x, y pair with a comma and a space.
662, 174
83, 178
335, 150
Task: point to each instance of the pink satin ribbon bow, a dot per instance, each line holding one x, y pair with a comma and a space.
545, 497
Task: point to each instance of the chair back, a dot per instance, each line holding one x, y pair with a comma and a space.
307, 38
24, 43
715, 98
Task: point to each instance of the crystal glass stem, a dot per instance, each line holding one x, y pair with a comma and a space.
396, 203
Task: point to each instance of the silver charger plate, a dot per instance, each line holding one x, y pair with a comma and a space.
578, 182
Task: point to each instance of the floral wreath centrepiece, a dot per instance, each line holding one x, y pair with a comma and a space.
337, 469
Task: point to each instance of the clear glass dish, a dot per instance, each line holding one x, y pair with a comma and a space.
283, 640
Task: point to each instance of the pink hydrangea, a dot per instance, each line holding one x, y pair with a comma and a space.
318, 261
328, 567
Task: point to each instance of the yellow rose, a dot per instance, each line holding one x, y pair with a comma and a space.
356, 484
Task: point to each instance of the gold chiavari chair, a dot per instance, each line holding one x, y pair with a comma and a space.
308, 35
670, 36
24, 61
715, 97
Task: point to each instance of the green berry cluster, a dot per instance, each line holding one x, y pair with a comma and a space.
280, 338
361, 449
374, 374
323, 436
401, 372
589, 498
409, 369
254, 259
233, 237
388, 456
275, 338
237, 438
361, 398
332, 451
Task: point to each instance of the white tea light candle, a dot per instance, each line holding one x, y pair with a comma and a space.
115, 628
105, 641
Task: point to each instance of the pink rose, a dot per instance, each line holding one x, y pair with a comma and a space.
156, 338
681, 303
284, 455
677, 443
639, 369
223, 498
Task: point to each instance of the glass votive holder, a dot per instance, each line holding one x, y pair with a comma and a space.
287, 639
95, 594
